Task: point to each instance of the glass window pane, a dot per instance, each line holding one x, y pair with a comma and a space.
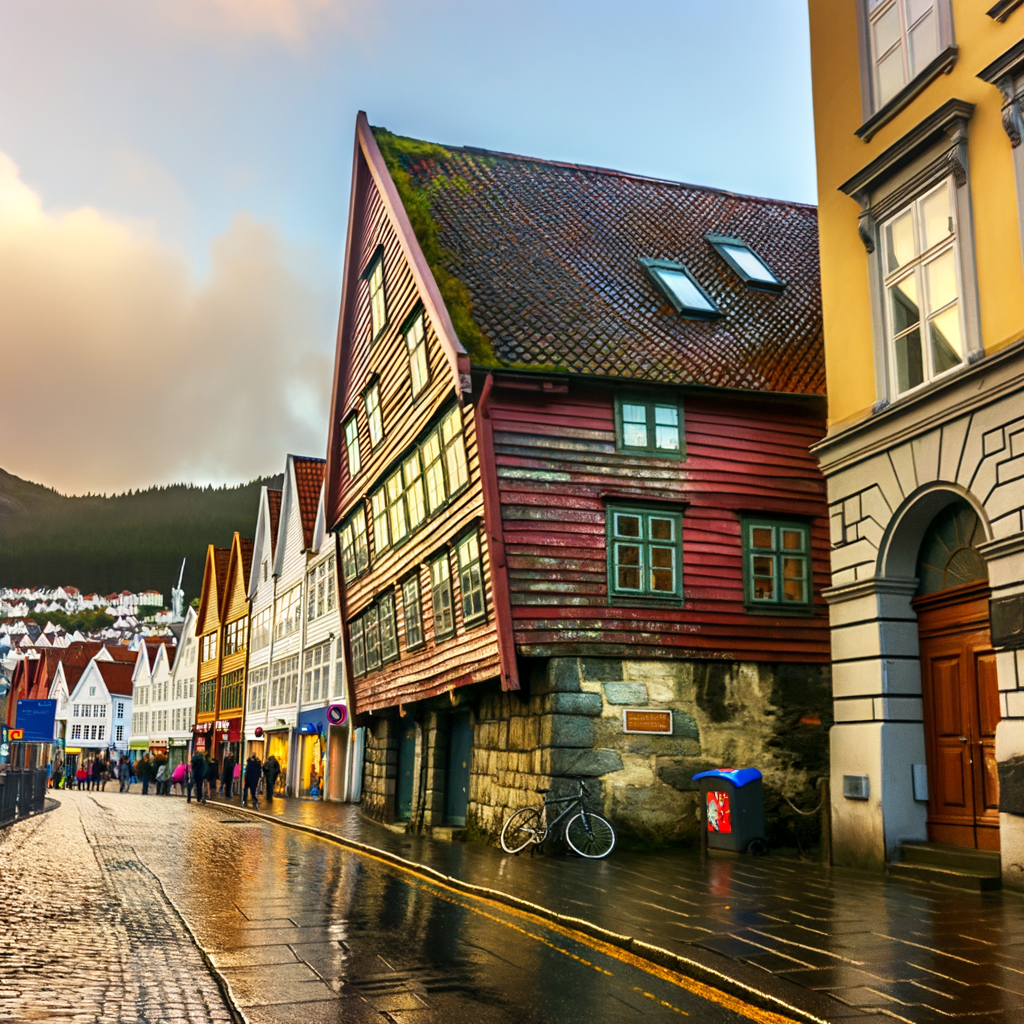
634, 425
909, 361
762, 537
906, 312
663, 574
763, 583
666, 419
947, 344
627, 525
890, 76
936, 216
899, 241
940, 274
792, 540
661, 529
750, 263
685, 291
924, 44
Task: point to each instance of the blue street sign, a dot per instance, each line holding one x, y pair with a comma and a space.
36, 718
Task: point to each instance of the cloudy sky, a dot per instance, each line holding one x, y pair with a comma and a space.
174, 180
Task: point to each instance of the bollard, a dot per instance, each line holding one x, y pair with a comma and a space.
826, 821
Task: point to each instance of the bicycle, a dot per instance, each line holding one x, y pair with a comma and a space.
587, 834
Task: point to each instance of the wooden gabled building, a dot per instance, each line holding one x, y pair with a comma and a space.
568, 465
222, 632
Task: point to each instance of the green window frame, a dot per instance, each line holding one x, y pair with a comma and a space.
207, 692
412, 611
232, 690
374, 416
648, 425
379, 511
355, 548
416, 343
441, 597
374, 277
388, 627
645, 553
471, 579
352, 446
777, 567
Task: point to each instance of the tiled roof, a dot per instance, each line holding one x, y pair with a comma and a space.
117, 677
121, 654
72, 673
274, 507
309, 479
550, 252
245, 546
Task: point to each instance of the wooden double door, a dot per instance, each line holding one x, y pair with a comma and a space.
961, 711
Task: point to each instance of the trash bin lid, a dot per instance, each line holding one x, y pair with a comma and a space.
737, 776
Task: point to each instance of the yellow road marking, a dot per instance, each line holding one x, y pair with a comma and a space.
660, 1002
697, 988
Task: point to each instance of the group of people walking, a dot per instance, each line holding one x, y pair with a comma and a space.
208, 778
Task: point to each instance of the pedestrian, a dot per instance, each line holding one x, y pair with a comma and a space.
81, 778
178, 778
227, 778
198, 777
124, 774
142, 770
161, 777
271, 770
105, 772
212, 779
253, 772
96, 772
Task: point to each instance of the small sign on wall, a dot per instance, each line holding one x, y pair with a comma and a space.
644, 720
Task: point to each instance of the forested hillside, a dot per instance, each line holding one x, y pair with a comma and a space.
132, 541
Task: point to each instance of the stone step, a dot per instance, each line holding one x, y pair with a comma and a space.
955, 858
978, 881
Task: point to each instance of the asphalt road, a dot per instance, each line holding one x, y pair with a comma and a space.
294, 929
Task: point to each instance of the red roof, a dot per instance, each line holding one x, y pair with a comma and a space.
309, 478
117, 677
550, 255
122, 654
274, 508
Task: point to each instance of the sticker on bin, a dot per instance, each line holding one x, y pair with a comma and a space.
719, 816
737, 776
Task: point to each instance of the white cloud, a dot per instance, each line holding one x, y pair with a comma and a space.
291, 21
119, 370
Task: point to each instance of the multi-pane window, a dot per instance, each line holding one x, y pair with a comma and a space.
416, 342
287, 613
76, 732
904, 41
258, 688
119, 734
454, 450
316, 678
352, 446
120, 709
339, 668
378, 307
645, 553
388, 628
207, 694
778, 563
433, 471
260, 630
320, 587
413, 612
374, 419
234, 636
358, 644
396, 507
379, 511
922, 281
471, 578
209, 643
441, 597
232, 690
355, 550
284, 681
102, 732
649, 426
412, 478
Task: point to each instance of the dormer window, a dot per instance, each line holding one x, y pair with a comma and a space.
751, 268
677, 284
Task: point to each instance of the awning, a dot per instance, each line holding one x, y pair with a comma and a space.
73, 750
138, 744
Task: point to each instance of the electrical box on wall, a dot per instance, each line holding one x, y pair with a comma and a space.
920, 782
855, 787
1006, 617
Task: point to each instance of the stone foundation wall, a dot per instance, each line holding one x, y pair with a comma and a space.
379, 769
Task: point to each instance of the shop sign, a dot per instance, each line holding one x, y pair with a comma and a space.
336, 714
201, 727
200, 743
36, 718
222, 726
657, 723
16, 734
179, 743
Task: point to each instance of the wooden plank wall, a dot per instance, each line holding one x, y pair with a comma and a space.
558, 468
469, 656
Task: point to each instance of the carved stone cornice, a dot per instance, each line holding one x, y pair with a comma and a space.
1003, 73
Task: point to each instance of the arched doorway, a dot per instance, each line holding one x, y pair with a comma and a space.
958, 681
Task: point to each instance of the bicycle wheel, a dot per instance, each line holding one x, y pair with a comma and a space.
521, 828
590, 835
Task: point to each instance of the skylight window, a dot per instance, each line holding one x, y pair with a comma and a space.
751, 268
676, 283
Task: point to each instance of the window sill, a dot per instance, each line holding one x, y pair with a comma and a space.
775, 610
942, 64
637, 601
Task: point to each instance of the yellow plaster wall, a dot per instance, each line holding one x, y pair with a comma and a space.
835, 68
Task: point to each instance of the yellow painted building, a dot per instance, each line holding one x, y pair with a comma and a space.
921, 214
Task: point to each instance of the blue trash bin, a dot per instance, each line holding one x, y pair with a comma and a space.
732, 809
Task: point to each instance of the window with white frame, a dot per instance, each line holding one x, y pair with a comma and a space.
320, 588
287, 612
923, 312
119, 734
316, 673
904, 37
120, 709
339, 667
76, 732
374, 417
284, 681
258, 688
260, 629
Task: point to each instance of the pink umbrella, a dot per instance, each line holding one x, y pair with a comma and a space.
179, 773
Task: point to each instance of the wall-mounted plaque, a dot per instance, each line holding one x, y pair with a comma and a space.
658, 723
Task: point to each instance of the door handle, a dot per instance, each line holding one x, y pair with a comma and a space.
963, 739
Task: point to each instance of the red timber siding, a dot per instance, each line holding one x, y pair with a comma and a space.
470, 655
742, 454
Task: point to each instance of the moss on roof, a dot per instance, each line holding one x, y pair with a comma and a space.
401, 154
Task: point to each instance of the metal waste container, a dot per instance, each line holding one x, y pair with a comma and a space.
732, 809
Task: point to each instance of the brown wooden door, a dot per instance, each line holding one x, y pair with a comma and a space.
961, 711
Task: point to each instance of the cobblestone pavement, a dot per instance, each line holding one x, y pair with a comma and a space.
88, 934
842, 945
296, 929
